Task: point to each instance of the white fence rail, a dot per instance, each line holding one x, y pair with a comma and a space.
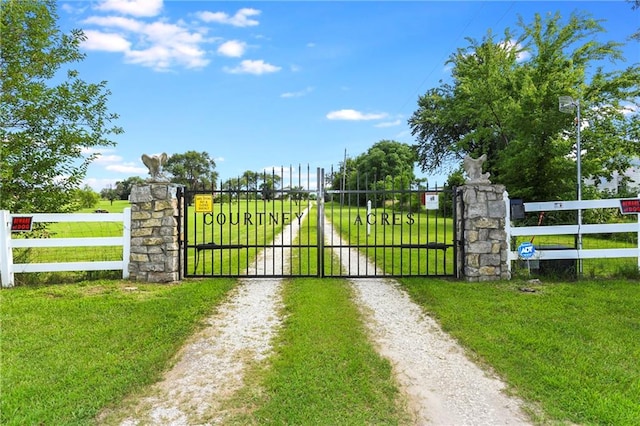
8, 268
608, 228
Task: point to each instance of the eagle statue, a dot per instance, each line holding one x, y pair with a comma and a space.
473, 168
155, 163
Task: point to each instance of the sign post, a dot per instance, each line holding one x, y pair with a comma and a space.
526, 251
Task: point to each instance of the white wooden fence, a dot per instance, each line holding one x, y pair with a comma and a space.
541, 254
8, 268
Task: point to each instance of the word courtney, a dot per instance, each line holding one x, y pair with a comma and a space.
259, 218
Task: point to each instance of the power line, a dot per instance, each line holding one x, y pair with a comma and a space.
457, 39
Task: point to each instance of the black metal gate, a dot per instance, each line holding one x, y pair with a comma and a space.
264, 228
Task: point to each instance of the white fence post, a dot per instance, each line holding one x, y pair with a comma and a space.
6, 252
126, 242
507, 226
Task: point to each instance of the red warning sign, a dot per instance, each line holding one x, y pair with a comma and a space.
21, 223
630, 206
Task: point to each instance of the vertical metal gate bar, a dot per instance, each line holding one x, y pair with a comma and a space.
230, 228
181, 259
308, 222
282, 198
248, 195
437, 225
332, 242
320, 222
444, 252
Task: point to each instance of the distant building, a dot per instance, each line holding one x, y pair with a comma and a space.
613, 185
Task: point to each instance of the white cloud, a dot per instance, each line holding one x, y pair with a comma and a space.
107, 42
298, 94
99, 184
158, 45
256, 67
240, 19
389, 123
129, 168
117, 22
107, 159
521, 55
114, 163
73, 9
132, 7
232, 48
353, 115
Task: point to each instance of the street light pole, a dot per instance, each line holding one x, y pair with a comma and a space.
566, 105
578, 158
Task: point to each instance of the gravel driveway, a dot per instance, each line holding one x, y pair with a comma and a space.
442, 385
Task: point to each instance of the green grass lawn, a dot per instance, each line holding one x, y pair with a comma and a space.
397, 228
67, 351
572, 348
117, 206
569, 348
245, 224
323, 370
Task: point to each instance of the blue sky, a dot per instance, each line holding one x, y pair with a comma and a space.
269, 84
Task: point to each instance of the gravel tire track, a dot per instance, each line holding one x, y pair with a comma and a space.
442, 385
210, 366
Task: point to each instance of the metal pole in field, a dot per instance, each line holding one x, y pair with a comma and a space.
344, 178
579, 168
566, 105
320, 221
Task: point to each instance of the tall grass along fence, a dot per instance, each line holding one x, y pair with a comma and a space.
576, 242
64, 243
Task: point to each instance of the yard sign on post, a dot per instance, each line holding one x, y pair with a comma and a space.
526, 251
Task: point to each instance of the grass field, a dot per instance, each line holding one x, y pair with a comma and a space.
571, 349
244, 225
392, 236
70, 350
323, 370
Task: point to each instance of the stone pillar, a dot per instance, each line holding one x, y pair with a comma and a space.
155, 251
481, 223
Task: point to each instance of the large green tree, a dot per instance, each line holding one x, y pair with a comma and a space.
195, 170
384, 162
503, 101
250, 179
269, 185
386, 165
49, 116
